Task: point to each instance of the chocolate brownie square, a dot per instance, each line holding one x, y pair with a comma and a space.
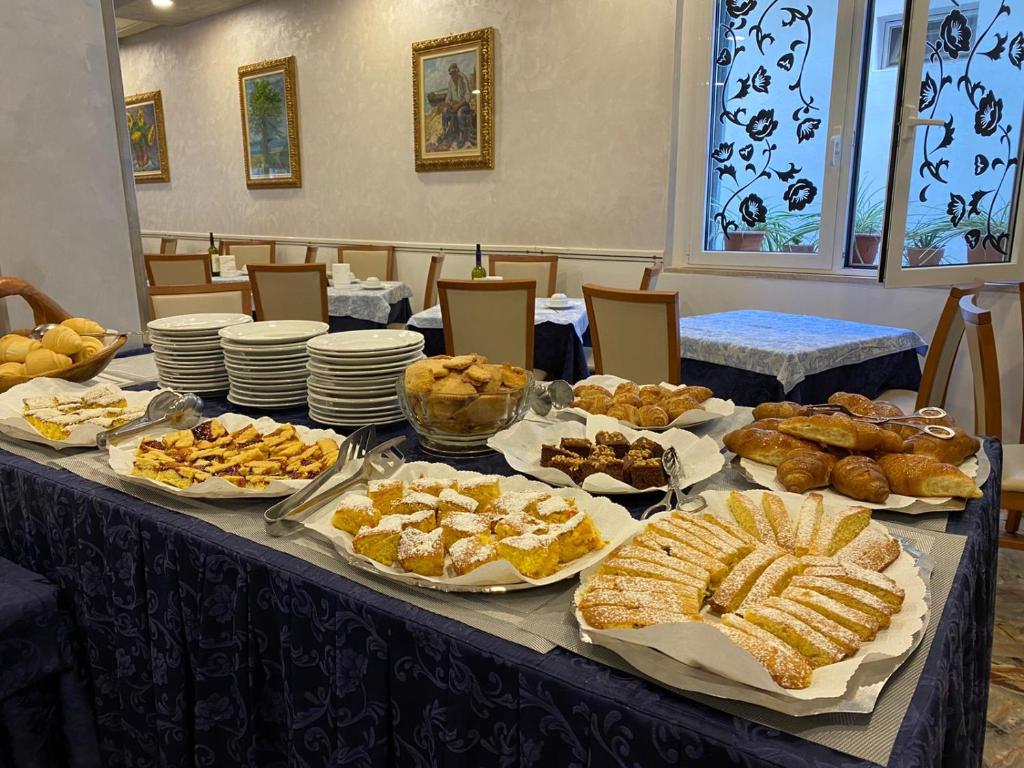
646, 473
646, 444
548, 452
571, 464
581, 446
614, 440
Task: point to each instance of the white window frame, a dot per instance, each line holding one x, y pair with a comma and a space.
693, 141
908, 121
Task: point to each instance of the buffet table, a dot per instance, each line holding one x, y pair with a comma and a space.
205, 646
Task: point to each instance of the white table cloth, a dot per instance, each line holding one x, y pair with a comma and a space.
575, 315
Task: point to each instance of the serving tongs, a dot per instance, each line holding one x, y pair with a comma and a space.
674, 499
930, 412
354, 456
180, 411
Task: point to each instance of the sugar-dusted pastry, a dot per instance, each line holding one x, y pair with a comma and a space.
420, 552
751, 517
693, 572
785, 665
518, 502
777, 514
622, 617
384, 492
861, 478
837, 633
556, 509
625, 566
804, 470
878, 584
576, 537
783, 410
604, 583
850, 596
460, 525
836, 529
470, 553
517, 523
776, 577
380, 542
83, 325
913, 475
450, 501
814, 646
764, 445
730, 593
533, 555
731, 528
62, 340
872, 549
431, 485
716, 569
840, 430
736, 538
414, 501
728, 550
861, 624
485, 488
355, 511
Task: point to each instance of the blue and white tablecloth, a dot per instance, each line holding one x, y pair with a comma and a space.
788, 347
575, 315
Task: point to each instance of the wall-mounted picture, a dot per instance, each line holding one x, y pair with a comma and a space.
270, 123
145, 115
453, 101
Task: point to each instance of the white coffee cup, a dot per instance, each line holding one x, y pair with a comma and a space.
372, 281
558, 300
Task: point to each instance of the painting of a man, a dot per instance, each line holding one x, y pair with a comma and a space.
458, 124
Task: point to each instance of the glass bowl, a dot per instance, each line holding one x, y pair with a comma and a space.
460, 425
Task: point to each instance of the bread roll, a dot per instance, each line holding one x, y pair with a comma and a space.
62, 340
18, 349
42, 361
90, 347
83, 325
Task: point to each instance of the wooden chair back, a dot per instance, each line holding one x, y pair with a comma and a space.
490, 317
981, 342
433, 275
168, 244
170, 300
248, 252
290, 291
178, 268
649, 281
541, 269
635, 334
942, 352
369, 260
311, 254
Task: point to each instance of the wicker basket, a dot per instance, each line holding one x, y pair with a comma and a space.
46, 310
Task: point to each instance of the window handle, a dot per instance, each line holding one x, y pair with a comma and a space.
911, 119
836, 146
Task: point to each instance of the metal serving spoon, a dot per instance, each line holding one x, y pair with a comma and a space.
557, 394
180, 411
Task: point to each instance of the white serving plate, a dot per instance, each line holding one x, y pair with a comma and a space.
614, 522
160, 345
197, 324
713, 407
297, 367
190, 363
521, 444
335, 389
199, 389
356, 357
375, 372
267, 387
377, 410
14, 425
122, 456
274, 331
697, 644
352, 402
339, 422
266, 403
184, 379
265, 350
368, 341
361, 363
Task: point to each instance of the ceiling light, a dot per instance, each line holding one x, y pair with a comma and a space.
162, 3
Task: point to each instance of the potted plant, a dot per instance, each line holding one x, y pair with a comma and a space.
926, 239
867, 228
982, 252
801, 233
745, 239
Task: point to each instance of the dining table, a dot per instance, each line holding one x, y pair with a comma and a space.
559, 334
357, 307
206, 641
756, 356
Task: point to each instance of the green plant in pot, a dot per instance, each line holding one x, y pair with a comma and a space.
867, 227
801, 234
982, 252
926, 239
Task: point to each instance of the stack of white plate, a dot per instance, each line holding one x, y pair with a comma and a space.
187, 350
266, 361
352, 375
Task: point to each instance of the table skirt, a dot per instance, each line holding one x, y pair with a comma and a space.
400, 312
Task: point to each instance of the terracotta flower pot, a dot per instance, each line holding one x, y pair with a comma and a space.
744, 240
982, 254
798, 248
924, 257
865, 249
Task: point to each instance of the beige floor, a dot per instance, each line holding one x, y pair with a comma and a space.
1004, 738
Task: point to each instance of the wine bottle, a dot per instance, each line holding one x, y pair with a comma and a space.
478, 271
214, 256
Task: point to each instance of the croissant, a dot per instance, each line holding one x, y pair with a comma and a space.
597, 404
864, 406
700, 394
763, 445
17, 349
90, 346
590, 390
953, 451
62, 340
625, 412
41, 361
83, 325
843, 432
860, 477
676, 406
803, 470
781, 410
653, 416
924, 476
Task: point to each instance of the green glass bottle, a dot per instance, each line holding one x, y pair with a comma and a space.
214, 256
478, 272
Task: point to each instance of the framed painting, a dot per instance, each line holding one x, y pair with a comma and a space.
270, 124
453, 101
145, 115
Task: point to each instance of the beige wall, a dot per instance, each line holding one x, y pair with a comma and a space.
63, 215
583, 100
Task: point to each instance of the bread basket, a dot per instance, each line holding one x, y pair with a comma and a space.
46, 310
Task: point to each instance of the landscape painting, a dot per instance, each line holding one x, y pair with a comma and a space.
144, 113
270, 124
453, 102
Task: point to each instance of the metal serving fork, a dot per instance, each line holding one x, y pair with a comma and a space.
674, 499
940, 431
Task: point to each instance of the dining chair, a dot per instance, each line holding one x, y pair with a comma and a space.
178, 268
489, 317
248, 252
290, 291
369, 260
165, 301
938, 363
433, 275
988, 410
649, 281
543, 269
635, 333
311, 254
168, 244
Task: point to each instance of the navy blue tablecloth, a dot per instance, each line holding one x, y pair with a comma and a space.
557, 350
400, 312
208, 649
870, 378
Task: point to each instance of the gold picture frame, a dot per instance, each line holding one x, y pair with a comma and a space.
147, 137
453, 122
269, 105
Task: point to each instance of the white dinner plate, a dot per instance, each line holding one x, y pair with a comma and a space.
356, 363
266, 362
376, 354
167, 345
264, 402
354, 394
274, 331
373, 340
373, 286
267, 374
334, 421
372, 372
199, 389
352, 402
204, 321
264, 350
195, 361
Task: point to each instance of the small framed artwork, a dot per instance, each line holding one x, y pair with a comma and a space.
270, 123
145, 115
453, 101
